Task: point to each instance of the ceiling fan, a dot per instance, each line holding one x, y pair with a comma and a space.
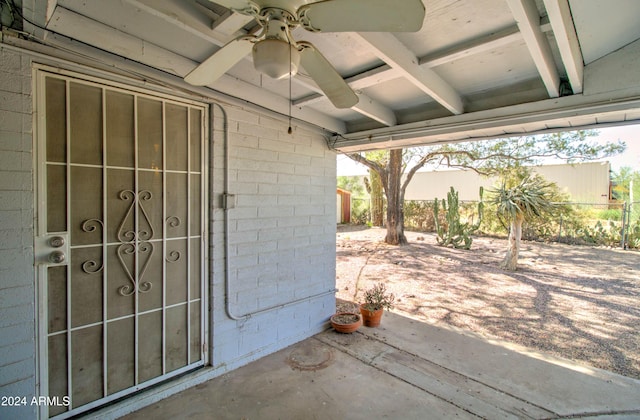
277, 54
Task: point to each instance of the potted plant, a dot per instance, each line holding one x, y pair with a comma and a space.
376, 300
346, 322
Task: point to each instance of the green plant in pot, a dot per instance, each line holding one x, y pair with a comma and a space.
376, 300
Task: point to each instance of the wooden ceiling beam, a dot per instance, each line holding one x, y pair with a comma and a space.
375, 110
385, 72
527, 17
565, 33
174, 14
476, 46
231, 24
390, 50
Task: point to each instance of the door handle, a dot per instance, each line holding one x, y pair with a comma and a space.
57, 257
56, 241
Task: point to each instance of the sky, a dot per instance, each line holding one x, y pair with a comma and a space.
630, 134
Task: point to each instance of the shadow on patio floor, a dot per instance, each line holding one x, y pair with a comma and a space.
404, 369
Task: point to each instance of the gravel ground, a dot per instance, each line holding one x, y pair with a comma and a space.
576, 302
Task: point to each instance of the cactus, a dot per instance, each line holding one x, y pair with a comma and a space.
454, 233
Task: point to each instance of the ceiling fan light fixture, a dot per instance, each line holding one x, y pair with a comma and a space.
276, 58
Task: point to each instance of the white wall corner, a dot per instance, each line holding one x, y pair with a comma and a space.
17, 307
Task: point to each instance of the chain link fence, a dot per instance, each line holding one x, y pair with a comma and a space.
616, 224
611, 224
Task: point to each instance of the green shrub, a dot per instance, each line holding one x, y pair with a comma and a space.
418, 216
609, 214
633, 238
360, 213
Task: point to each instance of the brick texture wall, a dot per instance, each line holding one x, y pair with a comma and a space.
281, 233
17, 293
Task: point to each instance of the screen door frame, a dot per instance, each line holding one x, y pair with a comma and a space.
43, 238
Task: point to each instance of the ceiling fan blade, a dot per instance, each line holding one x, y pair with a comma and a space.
220, 62
363, 16
326, 77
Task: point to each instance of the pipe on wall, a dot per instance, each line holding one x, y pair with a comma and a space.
227, 203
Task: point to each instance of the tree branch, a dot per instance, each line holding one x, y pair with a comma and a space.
423, 161
371, 165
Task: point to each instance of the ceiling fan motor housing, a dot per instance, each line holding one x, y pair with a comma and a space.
276, 55
276, 58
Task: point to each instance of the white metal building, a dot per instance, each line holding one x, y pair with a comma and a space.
583, 182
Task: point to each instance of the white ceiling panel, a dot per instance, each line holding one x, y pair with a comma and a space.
398, 90
453, 22
605, 26
471, 59
161, 28
504, 66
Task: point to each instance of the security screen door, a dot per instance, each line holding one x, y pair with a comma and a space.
120, 240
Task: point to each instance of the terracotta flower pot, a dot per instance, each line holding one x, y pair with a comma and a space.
371, 318
346, 322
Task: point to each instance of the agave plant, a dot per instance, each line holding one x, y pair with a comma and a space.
530, 198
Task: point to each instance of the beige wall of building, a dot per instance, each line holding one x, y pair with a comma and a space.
583, 182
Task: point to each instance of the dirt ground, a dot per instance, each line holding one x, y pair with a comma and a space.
577, 302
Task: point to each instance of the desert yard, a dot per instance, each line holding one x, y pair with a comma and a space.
576, 302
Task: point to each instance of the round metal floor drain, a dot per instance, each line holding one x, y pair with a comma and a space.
310, 357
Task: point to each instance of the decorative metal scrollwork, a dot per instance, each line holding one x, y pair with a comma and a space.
91, 266
136, 199
173, 221
135, 242
173, 256
136, 283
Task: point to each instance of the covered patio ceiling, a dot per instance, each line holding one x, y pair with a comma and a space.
477, 68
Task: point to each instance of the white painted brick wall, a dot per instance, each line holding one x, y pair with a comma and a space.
285, 216
282, 235
17, 294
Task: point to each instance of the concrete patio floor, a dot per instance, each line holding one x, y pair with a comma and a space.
404, 370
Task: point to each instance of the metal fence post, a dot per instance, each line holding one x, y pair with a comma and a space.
624, 229
560, 228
